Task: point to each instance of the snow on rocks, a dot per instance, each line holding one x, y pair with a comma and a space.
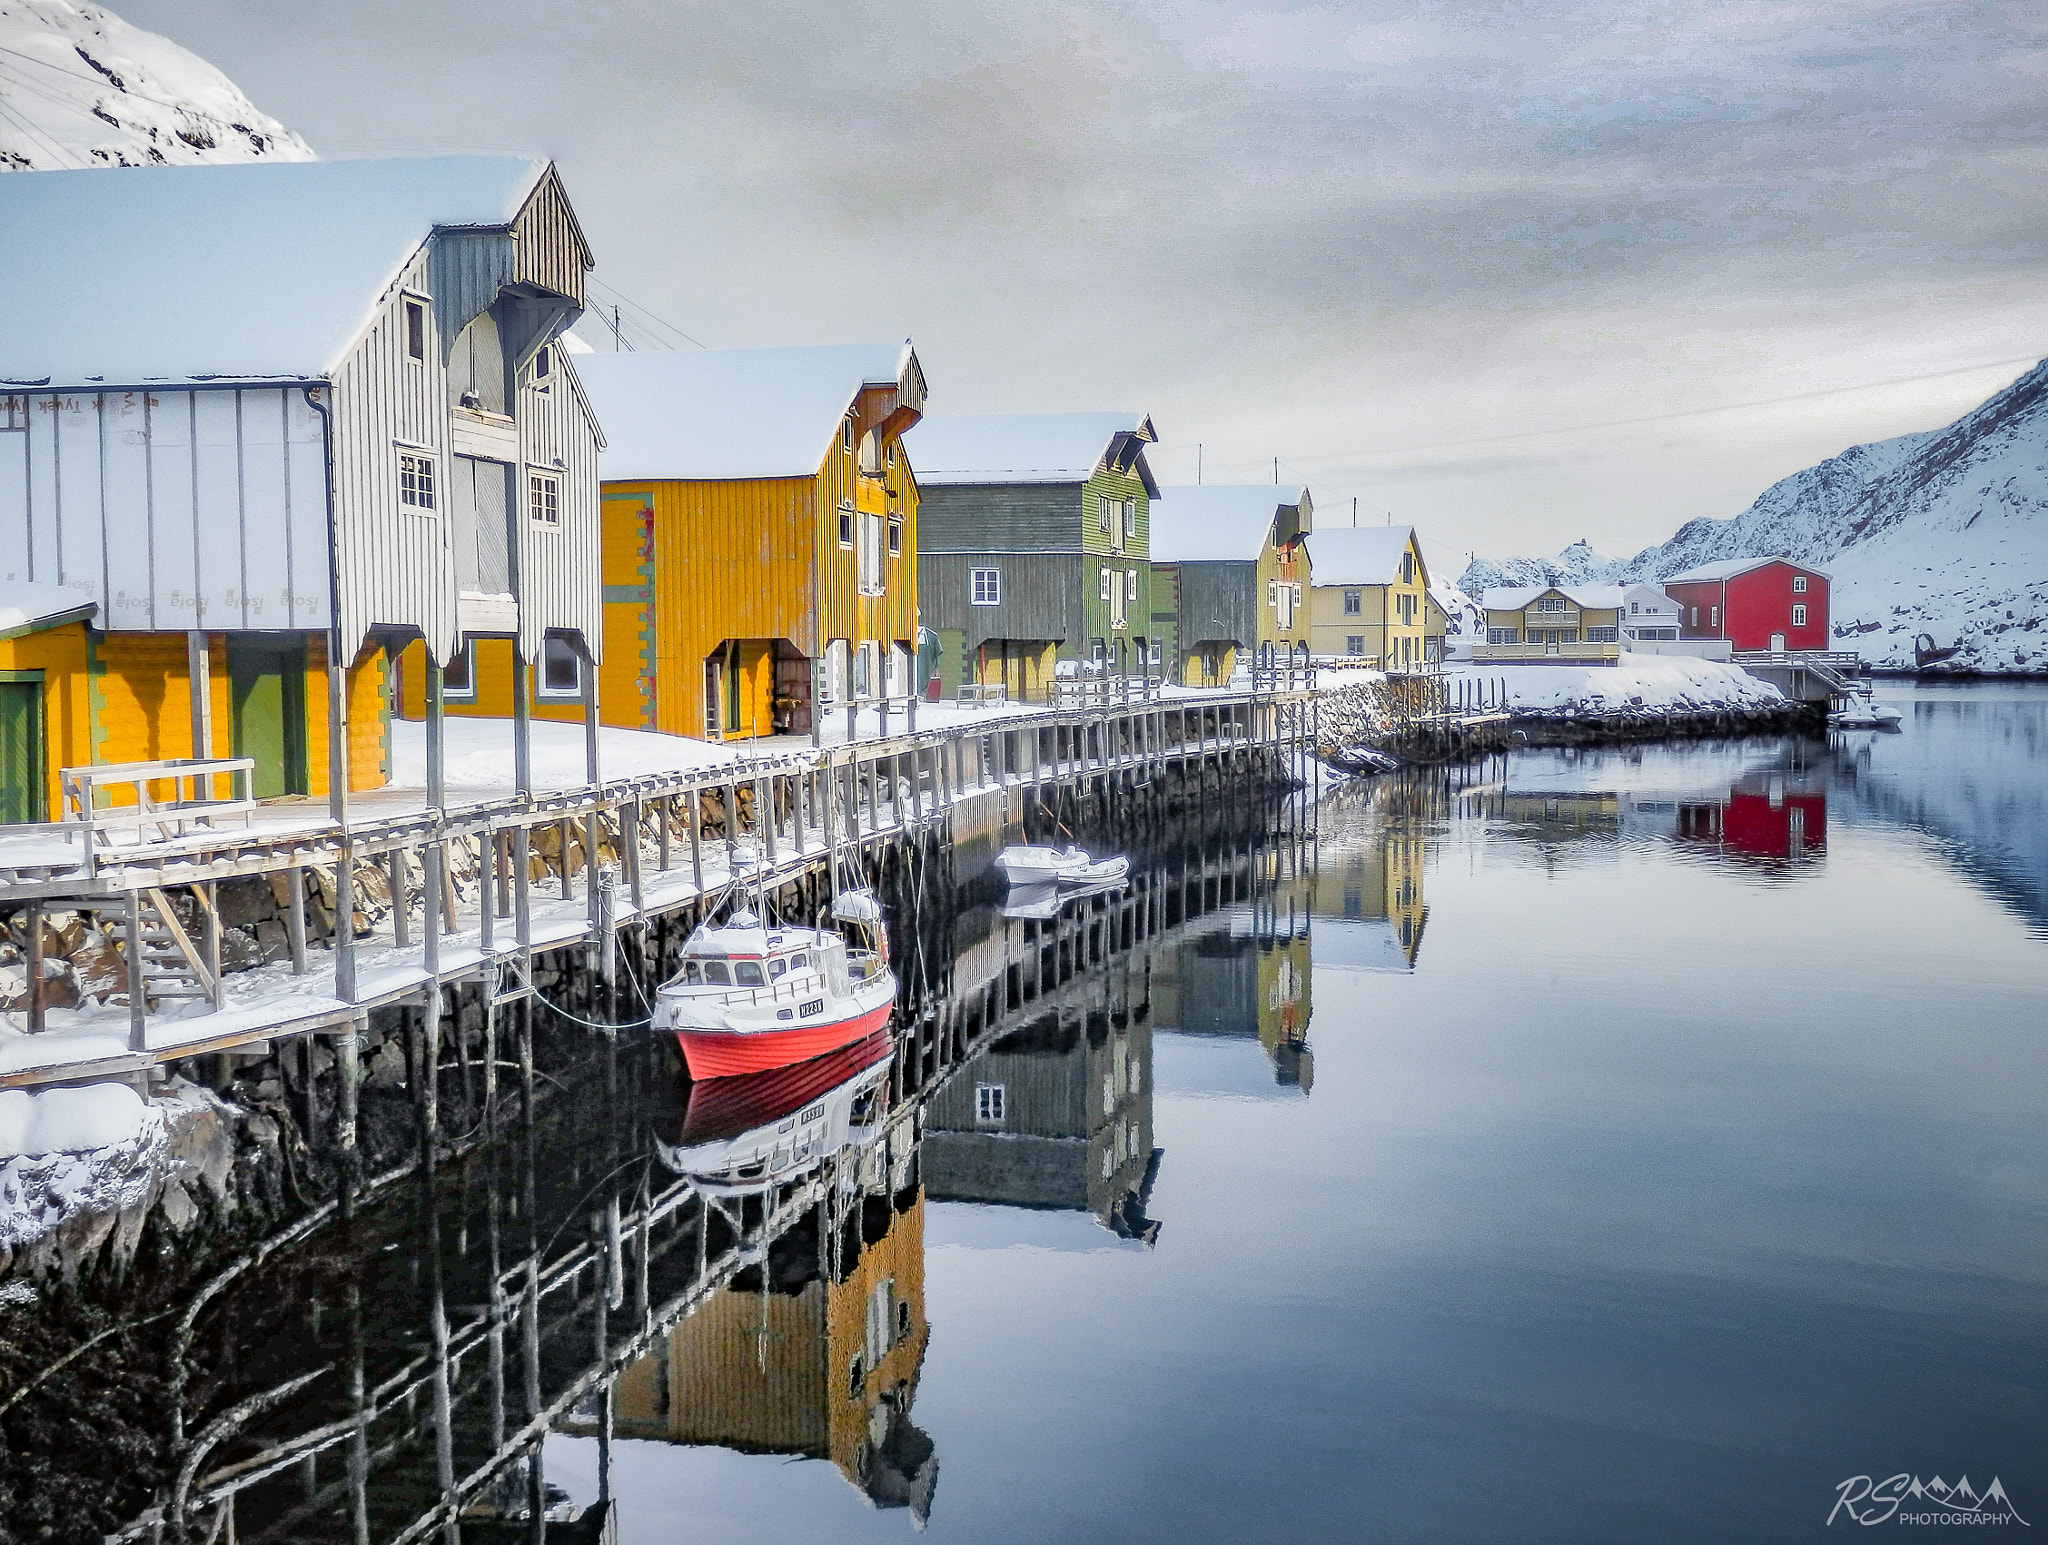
68, 1120
1640, 684
96, 91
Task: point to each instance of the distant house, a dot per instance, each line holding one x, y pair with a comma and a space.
1231, 569
1371, 598
1649, 616
1754, 603
760, 534
1552, 624
1035, 546
275, 422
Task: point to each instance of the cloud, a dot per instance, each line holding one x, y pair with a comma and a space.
1315, 230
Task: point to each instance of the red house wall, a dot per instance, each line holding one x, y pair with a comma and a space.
1754, 605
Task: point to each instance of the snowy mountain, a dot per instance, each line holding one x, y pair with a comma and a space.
79, 87
1943, 533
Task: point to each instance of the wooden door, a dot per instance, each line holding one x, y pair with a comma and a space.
267, 700
21, 749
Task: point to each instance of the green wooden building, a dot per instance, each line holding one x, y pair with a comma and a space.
1034, 547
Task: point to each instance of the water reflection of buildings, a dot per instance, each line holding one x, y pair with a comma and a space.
1371, 854
1759, 807
814, 1348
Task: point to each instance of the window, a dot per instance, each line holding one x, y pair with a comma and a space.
416, 481
1131, 579
1799, 584
988, 1103
715, 972
543, 367
561, 669
416, 331
747, 973
1634, 607
985, 587
1549, 603
1407, 568
846, 525
870, 556
458, 676
1502, 636
846, 436
1602, 636
1130, 519
1105, 584
1354, 643
889, 456
1713, 616
1354, 603
895, 536
544, 499
1799, 616
1102, 511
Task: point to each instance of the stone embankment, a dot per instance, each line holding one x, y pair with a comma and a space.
1377, 721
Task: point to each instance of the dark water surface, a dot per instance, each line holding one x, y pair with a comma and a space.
1686, 1159
1584, 1146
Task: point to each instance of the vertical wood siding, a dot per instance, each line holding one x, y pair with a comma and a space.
174, 509
550, 248
560, 568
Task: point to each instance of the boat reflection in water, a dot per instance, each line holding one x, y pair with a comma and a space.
813, 1349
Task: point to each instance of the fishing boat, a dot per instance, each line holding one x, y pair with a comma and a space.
1031, 865
1860, 712
741, 1136
751, 995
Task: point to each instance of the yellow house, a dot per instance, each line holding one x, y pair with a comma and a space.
1552, 624
1231, 562
72, 696
1370, 599
760, 535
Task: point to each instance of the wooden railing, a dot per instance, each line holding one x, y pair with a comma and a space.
192, 800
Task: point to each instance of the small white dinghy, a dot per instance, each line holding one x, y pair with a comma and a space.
1089, 876
1024, 865
1864, 714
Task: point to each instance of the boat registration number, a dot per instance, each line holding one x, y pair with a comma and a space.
809, 1009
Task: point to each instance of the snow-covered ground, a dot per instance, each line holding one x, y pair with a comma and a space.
1648, 683
80, 87
1943, 533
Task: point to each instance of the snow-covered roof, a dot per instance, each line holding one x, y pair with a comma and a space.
1217, 522
1020, 448
28, 608
1599, 598
262, 271
713, 414
1650, 596
1728, 568
1359, 555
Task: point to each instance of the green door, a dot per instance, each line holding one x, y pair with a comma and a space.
21, 747
267, 694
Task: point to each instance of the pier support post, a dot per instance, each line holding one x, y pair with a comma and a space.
348, 1067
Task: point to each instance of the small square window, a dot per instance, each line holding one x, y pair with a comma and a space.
1354, 643
416, 481
416, 331
1799, 584
561, 669
989, 1103
544, 499
846, 525
895, 538
985, 587
458, 676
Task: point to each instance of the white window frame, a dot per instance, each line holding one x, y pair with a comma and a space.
1799, 584
1549, 603
1799, 616
1105, 582
413, 461
868, 530
984, 587
465, 693
1131, 585
542, 372
991, 1103
1102, 513
847, 524
1354, 643
895, 535
555, 648
409, 307
544, 492
1354, 603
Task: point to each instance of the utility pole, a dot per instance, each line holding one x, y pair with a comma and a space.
1198, 463
1354, 512
1276, 469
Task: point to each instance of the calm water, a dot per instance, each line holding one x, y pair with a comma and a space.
1686, 1159
1584, 1146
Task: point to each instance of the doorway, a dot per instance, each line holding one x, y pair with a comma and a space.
1777, 643
21, 747
267, 701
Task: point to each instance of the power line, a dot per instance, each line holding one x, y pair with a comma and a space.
102, 83
625, 300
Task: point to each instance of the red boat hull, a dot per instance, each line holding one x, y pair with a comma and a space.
722, 1053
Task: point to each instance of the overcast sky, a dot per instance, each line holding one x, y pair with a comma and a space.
1515, 272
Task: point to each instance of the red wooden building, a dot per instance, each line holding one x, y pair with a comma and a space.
1754, 603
